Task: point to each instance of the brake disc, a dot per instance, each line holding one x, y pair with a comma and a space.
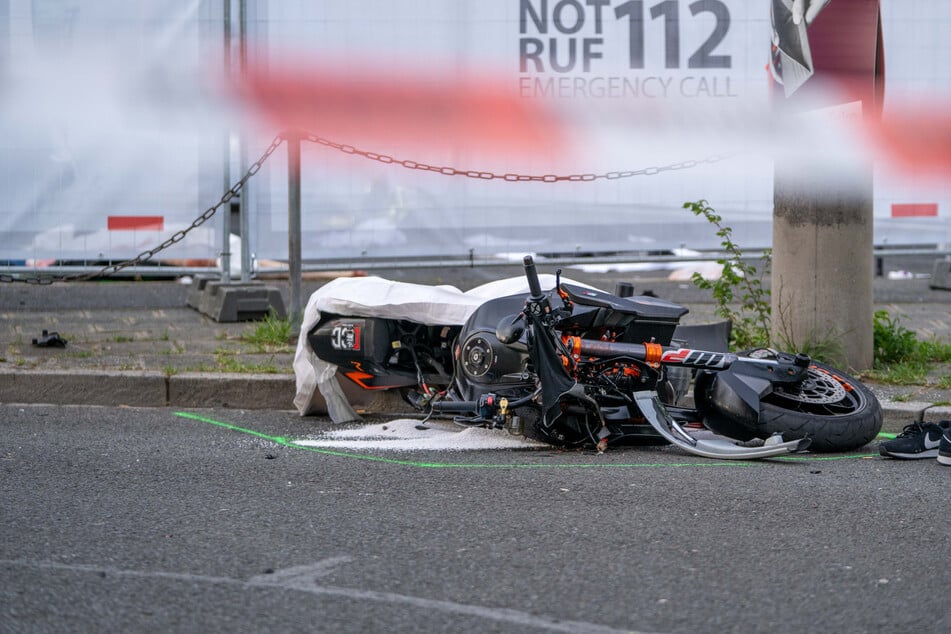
818, 387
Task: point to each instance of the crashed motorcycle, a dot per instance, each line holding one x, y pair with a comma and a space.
575, 366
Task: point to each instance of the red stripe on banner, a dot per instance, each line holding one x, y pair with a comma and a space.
136, 223
417, 108
914, 209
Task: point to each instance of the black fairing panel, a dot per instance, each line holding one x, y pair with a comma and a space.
487, 316
639, 318
344, 340
640, 306
714, 337
730, 402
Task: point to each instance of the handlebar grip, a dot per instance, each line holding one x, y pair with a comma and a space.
533, 284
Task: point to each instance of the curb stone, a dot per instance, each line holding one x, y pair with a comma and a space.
76, 387
142, 388
235, 391
936, 413
261, 391
898, 414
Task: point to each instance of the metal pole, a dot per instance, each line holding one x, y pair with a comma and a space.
226, 212
295, 310
245, 199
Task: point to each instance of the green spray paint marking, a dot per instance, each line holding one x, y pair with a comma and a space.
286, 442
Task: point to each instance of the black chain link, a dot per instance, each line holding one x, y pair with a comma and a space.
178, 236
514, 178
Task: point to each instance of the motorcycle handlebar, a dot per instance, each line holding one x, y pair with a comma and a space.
533, 284
652, 353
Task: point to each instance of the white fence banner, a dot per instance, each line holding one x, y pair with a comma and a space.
112, 126
109, 138
644, 84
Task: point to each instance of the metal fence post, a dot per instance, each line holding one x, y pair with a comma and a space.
295, 310
245, 201
226, 211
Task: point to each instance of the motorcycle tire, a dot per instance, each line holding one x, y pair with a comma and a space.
832, 409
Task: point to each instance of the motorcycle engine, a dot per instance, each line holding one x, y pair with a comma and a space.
484, 359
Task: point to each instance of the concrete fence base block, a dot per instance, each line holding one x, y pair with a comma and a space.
941, 275
197, 290
235, 301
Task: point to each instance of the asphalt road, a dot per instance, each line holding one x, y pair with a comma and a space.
120, 519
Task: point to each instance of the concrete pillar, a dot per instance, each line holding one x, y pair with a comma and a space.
823, 261
831, 64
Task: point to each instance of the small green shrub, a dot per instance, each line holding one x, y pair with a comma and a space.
935, 351
893, 342
739, 293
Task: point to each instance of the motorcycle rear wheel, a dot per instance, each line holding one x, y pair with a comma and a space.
830, 407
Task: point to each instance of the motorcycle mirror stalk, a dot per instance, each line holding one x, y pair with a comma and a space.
510, 329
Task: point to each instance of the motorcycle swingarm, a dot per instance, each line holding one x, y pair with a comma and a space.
719, 448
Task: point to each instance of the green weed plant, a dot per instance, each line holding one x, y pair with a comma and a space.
901, 358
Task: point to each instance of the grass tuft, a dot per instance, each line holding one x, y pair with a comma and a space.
270, 334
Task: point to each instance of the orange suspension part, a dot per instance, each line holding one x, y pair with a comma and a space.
574, 346
653, 353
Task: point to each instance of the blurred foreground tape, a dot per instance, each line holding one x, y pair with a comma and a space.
914, 139
386, 111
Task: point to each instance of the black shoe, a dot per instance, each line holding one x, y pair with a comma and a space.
944, 449
916, 441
